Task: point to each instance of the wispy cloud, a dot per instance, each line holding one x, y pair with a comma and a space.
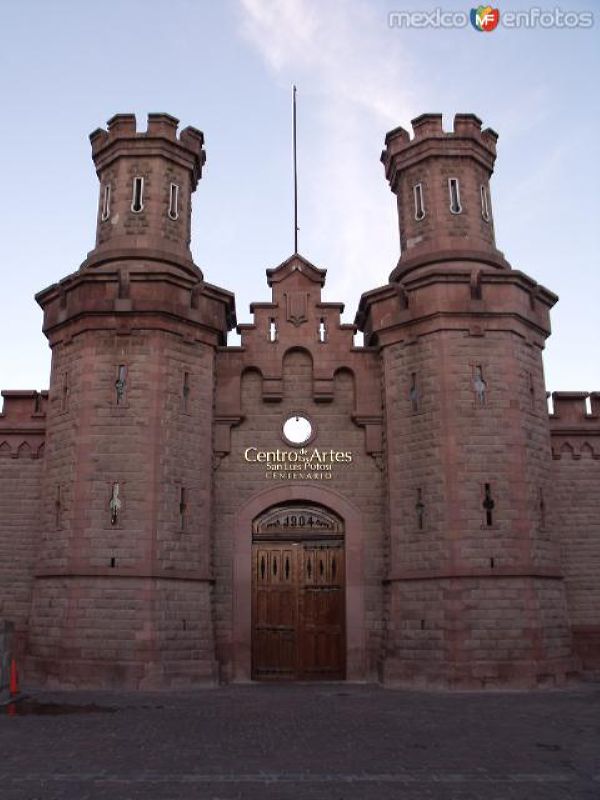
349, 65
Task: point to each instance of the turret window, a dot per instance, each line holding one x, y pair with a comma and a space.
173, 201
137, 199
419, 204
454, 191
106, 203
485, 204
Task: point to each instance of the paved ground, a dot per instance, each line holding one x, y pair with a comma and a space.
326, 742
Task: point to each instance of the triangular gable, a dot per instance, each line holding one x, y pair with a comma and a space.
296, 263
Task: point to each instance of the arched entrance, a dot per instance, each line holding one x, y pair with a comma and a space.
272, 498
298, 594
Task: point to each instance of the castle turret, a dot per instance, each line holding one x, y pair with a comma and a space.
475, 589
123, 582
146, 185
441, 182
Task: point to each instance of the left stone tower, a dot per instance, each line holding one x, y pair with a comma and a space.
122, 591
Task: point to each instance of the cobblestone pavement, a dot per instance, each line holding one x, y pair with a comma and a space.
320, 742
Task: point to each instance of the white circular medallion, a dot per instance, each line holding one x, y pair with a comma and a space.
297, 430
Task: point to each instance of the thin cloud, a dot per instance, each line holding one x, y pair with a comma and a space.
341, 55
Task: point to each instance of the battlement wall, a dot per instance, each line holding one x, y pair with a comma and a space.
23, 423
22, 435
430, 139
575, 433
22, 406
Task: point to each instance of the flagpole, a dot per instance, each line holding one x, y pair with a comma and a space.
295, 176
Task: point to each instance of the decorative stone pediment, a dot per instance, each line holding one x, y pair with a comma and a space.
292, 266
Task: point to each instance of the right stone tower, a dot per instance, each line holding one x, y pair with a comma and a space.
474, 589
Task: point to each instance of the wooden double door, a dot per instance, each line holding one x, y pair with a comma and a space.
298, 609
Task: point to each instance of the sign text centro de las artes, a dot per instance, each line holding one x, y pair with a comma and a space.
304, 464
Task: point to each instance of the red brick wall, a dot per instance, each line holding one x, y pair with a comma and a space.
21, 467
20, 488
449, 448
575, 503
133, 596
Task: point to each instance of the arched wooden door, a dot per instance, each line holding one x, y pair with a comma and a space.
298, 595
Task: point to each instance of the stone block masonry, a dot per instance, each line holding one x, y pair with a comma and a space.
150, 499
6, 656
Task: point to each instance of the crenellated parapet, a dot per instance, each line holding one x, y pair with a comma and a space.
130, 296
468, 299
23, 423
429, 139
160, 138
575, 431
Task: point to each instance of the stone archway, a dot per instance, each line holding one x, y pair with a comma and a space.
242, 573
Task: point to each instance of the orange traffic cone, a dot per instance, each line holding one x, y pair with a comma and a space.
14, 679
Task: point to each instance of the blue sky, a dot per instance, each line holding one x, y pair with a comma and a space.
227, 68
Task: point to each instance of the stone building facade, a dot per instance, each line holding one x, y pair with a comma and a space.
177, 511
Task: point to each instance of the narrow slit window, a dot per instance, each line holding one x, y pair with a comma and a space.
414, 392
272, 330
531, 390
488, 505
419, 204
65, 392
182, 508
106, 202
485, 204
479, 385
542, 506
185, 390
173, 201
420, 509
137, 199
115, 504
121, 383
454, 190
322, 330
58, 508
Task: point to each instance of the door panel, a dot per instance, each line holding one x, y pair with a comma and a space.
275, 612
298, 611
322, 612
